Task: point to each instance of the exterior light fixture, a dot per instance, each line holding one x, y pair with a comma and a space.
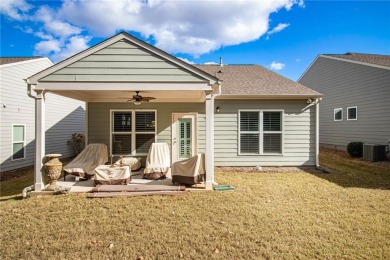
217, 109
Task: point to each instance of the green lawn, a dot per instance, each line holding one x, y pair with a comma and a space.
343, 215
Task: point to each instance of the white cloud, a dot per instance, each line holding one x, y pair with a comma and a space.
278, 28
277, 65
15, 9
298, 59
47, 47
193, 27
186, 60
74, 45
210, 63
53, 25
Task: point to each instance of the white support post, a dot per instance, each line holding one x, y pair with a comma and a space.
317, 102
209, 141
39, 140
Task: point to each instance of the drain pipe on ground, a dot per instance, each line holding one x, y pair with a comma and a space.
26, 190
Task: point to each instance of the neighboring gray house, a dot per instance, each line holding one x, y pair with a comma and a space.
64, 116
238, 115
356, 104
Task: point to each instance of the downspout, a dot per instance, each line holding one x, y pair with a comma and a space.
317, 103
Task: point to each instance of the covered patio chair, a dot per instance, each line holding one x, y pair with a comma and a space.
190, 171
85, 163
158, 161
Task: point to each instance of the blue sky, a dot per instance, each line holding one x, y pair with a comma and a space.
282, 35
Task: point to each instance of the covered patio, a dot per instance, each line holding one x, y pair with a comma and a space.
109, 74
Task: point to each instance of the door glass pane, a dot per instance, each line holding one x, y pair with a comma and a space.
18, 133
185, 142
18, 151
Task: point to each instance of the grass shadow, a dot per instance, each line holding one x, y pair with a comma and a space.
351, 172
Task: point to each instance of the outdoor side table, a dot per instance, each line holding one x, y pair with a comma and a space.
107, 175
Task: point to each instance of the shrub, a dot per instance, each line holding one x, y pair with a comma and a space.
355, 149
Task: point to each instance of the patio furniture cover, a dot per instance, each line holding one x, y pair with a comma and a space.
134, 163
189, 171
158, 160
85, 163
107, 175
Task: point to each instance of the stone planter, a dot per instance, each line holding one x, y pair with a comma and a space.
53, 170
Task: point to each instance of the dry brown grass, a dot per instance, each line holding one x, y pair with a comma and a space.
277, 216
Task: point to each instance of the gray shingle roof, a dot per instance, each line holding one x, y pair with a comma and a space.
383, 60
7, 60
254, 80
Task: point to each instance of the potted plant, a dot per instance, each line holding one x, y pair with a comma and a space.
78, 142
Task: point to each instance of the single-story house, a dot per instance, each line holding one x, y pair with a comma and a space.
238, 115
64, 116
357, 103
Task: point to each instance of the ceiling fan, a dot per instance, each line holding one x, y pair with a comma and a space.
138, 99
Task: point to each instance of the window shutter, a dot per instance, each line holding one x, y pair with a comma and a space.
271, 121
249, 143
145, 121
143, 142
272, 143
249, 121
122, 121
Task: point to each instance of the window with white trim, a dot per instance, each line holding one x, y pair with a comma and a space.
18, 142
352, 113
261, 132
132, 131
338, 114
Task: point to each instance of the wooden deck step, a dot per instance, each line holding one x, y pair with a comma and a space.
137, 188
133, 194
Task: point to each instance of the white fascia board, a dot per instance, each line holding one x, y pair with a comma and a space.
85, 86
247, 97
25, 62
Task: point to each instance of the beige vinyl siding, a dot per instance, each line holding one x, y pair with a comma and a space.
123, 61
299, 134
64, 116
99, 120
345, 84
299, 129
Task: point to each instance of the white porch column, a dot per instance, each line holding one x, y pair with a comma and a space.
317, 102
39, 139
209, 141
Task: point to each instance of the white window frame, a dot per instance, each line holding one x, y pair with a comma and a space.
24, 142
348, 113
261, 131
133, 130
334, 114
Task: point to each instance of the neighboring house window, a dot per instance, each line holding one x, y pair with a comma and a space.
18, 142
338, 114
261, 132
352, 113
132, 131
